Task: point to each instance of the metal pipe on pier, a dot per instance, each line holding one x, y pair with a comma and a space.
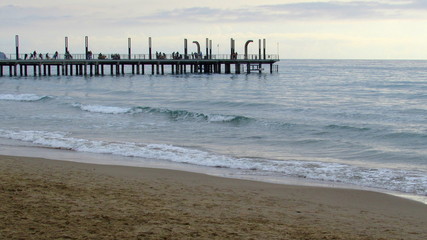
129, 48
185, 49
246, 48
264, 48
149, 48
207, 48
66, 45
87, 47
210, 49
198, 47
17, 46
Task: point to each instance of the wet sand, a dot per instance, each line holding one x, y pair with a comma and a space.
49, 199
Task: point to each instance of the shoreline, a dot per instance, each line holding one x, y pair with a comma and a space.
53, 199
24, 150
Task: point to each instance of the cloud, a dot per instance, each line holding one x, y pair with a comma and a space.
18, 16
300, 11
357, 10
265, 13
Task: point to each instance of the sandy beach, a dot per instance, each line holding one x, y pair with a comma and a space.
49, 199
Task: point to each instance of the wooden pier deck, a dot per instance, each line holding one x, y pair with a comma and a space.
99, 67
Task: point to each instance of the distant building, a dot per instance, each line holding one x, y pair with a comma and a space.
2, 56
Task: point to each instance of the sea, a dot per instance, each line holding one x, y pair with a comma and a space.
358, 124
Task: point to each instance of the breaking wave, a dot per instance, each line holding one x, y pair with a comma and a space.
175, 115
407, 181
22, 97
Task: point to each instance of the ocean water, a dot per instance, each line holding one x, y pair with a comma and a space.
359, 123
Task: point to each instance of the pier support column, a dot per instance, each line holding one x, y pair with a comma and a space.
97, 69
102, 69
58, 70
49, 73
237, 68
227, 68
142, 69
40, 69
1, 70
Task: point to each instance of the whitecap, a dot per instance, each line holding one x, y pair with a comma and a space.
21, 97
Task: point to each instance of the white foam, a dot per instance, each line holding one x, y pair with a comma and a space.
413, 182
220, 118
21, 97
102, 109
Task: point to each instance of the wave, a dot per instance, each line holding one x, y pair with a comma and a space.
22, 97
407, 135
350, 128
102, 109
407, 181
187, 115
175, 115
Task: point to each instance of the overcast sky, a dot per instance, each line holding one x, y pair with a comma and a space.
361, 29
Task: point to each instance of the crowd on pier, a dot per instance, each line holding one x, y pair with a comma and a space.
34, 56
89, 56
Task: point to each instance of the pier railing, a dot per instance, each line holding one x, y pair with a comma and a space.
82, 56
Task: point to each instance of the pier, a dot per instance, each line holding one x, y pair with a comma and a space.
87, 64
